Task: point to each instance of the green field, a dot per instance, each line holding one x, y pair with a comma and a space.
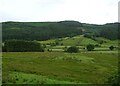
59, 67
74, 41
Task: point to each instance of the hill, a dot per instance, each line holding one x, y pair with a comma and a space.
50, 30
40, 30
109, 30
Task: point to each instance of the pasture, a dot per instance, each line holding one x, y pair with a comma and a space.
59, 67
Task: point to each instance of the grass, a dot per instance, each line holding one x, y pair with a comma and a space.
58, 67
47, 41
77, 40
107, 42
83, 41
111, 43
25, 78
87, 41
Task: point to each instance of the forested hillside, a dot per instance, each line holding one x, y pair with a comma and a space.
109, 31
50, 30
40, 30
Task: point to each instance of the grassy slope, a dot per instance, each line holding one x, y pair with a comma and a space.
108, 42
77, 40
59, 67
82, 41
25, 78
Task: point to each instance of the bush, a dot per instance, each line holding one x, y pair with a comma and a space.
52, 44
56, 42
97, 45
90, 47
114, 80
87, 36
61, 44
111, 47
73, 49
44, 45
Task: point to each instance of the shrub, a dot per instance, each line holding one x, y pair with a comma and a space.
90, 47
97, 45
73, 49
44, 45
56, 43
52, 44
111, 47
61, 44
49, 50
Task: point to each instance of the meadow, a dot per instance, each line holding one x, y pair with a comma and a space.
59, 67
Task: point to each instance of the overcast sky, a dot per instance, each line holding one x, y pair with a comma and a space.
85, 11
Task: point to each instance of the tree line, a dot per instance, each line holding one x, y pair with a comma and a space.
21, 46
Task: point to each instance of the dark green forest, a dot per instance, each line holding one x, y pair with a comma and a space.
40, 31
109, 30
50, 30
22, 46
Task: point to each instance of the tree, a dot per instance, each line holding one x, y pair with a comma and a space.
73, 49
61, 44
44, 45
88, 35
111, 47
90, 47
22, 46
56, 42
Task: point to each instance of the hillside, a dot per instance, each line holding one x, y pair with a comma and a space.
109, 30
81, 41
50, 30
40, 30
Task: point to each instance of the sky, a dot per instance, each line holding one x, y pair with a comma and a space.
85, 11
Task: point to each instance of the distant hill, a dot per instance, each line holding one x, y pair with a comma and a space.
49, 30
40, 30
109, 31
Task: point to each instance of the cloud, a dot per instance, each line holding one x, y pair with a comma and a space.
88, 11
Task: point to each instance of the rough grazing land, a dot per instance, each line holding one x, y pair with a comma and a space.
58, 67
